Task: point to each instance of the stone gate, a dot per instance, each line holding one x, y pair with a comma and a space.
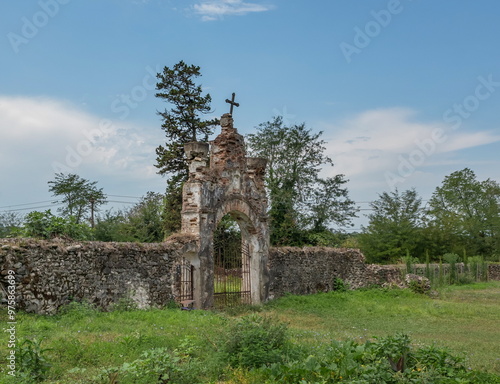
223, 180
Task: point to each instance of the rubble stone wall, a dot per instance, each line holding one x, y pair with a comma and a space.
315, 269
494, 272
49, 274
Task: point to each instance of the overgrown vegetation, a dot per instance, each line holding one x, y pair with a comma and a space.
143, 222
32, 361
370, 336
45, 225
448, 271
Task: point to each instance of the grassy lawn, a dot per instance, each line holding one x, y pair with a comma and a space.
83, 341
465, 319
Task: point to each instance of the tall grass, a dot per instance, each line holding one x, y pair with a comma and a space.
449, 270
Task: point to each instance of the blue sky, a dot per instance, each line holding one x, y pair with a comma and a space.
405, 91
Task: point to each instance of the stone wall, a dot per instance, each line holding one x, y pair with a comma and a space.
494, 272
53, 273
308, 270
314, 269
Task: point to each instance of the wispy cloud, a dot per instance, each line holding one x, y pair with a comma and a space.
366, 146
210, 10
40, 134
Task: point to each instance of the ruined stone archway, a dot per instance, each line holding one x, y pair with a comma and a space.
222, 180
255, 244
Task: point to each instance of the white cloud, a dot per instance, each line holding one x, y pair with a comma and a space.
41, 136
210, 10
366, 146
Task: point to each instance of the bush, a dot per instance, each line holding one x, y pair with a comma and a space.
452, 259
254, 341
78, 310
45, 225
156, 365
388, 360
339, 285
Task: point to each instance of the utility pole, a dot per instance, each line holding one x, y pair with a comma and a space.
92, 203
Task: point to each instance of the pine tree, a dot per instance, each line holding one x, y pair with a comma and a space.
182, 124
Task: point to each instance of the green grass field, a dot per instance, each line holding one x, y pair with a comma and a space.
464, 318
83, 342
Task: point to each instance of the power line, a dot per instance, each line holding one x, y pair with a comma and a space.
130, 197
2, 208
21, 205
122, 202
31, 208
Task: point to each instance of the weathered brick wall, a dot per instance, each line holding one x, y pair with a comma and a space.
53, 273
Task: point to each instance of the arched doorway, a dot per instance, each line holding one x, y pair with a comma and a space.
231, 253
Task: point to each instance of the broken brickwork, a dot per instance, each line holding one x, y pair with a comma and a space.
223, 180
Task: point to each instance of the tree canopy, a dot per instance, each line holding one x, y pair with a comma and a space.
181, 121
182, 124
467, 211
300, 200
394, 226
80, 197
462, 218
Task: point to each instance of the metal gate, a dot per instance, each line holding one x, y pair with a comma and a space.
231, 273
185, 273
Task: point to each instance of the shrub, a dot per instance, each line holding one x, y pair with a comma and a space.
452, 259
388, 360
254, 341
45, 225
339, 285
78, 310
409, 262
156, 365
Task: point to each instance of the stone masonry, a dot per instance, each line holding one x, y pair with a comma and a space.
49, 274
223, 180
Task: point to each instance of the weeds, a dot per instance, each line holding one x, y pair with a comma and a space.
339, 285
253, 341
155, 366
173, 346
389, 360
470, 270
32, 364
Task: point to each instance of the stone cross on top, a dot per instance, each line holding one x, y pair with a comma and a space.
232, 102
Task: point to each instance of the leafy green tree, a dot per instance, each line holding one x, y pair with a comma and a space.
466, 212
394, 227
182, 124
10, 222
299, 199
141, 223
81, 197
112, 226
146, 218
45, 225
328, 203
